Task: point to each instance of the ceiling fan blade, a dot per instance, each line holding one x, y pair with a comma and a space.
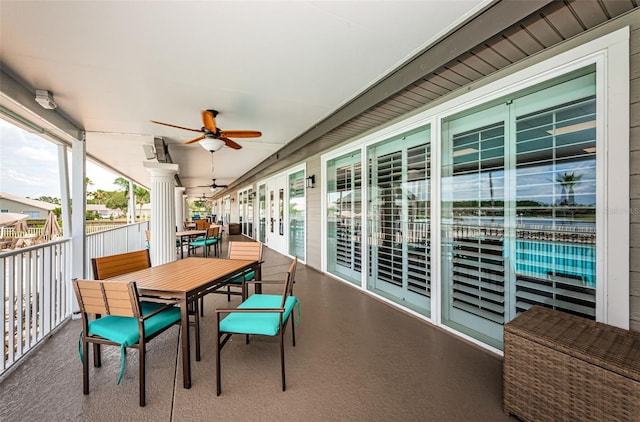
177, 127
230, 143
240, 133
199, 138
209, 121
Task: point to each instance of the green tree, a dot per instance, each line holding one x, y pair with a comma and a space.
117, 201
49, 199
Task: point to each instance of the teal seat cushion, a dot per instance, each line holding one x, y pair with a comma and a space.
124, 330
263, 323
204, 242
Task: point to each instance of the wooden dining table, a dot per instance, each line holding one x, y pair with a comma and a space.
185, 281
188, 234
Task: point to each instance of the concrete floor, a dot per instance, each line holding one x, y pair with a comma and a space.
356, 359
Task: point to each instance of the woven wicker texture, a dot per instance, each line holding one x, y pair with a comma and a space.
559, 366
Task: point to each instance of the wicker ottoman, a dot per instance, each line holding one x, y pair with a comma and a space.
560, 367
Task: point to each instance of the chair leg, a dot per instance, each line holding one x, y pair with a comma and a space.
85, 367
228, 293
97, 356
217, 335
284, 385
141, 375
293, 332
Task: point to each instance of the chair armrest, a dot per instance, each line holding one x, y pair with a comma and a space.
265, 282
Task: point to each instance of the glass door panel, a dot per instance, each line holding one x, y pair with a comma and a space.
398, 219
473, 191
297, 214
249, 217
262, 213
344, 217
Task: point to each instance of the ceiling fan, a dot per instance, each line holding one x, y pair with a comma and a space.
211, 131
213, 185
202, 198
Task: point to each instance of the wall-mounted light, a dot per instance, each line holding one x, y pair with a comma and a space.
233, 200
252, 195
45, 99
311, 181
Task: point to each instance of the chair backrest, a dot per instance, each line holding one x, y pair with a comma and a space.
114, 265
213, 231
245, 250
117, 298
201, 224
288, 285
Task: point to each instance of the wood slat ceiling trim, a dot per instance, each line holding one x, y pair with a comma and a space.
549, 25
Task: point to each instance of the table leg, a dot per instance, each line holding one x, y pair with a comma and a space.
186, 357
181, 247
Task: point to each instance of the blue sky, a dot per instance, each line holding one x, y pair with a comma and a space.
29, 165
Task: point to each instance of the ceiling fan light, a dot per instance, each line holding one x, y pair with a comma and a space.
211, 144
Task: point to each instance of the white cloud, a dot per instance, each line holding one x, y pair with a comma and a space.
29, 165
37, 154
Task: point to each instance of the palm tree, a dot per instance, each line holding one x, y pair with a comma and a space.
123, 184
567, 181
142, 197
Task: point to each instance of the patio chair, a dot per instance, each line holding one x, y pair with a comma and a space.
114, 265
127, 322
243, 250
205, 242
239, 250
260, 314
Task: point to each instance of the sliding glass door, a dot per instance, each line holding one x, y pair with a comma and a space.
519, 208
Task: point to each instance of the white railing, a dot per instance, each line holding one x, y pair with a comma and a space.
36, 296
36, 290
123, 239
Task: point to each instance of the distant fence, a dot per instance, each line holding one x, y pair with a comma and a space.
91, 228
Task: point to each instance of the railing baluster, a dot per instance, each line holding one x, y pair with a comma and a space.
36, 285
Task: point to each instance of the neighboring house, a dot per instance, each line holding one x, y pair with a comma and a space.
103, 211
143, 213
19, 204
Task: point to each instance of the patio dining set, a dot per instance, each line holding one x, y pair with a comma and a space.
130, 302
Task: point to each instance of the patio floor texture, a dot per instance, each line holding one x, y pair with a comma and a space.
356, 359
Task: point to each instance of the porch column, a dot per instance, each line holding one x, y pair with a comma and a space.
163, 215
131, 204
179, 192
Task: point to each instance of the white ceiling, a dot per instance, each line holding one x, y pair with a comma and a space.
278, 67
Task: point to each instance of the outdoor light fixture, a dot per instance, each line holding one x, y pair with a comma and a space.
311, 181
45, 99
211, 144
